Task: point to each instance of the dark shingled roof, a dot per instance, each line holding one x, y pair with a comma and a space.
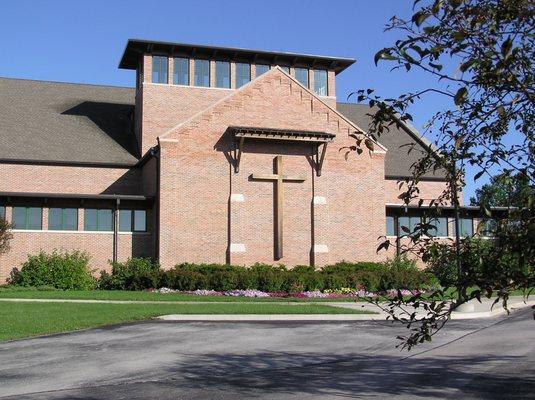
398, 161
66, 123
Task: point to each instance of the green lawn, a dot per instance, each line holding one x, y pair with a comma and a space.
19, 320
142, 296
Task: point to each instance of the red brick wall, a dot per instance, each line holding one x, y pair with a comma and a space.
68, 179
165, 106
199, 221
428, 190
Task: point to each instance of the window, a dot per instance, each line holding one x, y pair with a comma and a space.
63, 219
440, 227
243, 74
202, 73
136, 219
27, 218
222, 74
159, 69
466, 226
487, 227
285, 69
407, 223
320, 82
261, 69
181, 71
97, 219
2, 212
301, 74
390, 226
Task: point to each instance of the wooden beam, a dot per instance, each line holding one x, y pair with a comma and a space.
278, 178
238, 156
322, 158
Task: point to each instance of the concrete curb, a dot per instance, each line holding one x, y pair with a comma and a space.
497, 311
270, 317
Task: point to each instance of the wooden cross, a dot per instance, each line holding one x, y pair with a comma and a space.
279, 179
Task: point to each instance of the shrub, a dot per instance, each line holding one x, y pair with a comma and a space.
137, 274
134, 274
402, 273
65, 271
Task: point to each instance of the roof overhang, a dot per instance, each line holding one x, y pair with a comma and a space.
318, 139
281, 134
475, 211
136, 47
75, 196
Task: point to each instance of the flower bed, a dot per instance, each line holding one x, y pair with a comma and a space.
327, 294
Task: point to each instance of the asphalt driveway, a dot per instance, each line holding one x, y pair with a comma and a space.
483, 359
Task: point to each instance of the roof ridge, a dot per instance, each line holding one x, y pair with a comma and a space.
65, 83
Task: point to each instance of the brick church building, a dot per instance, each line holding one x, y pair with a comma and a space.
217, 155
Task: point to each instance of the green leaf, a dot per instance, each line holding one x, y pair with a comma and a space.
458, 36
369, 144
478, 175
436, 66
420, 17
464, 66
384, 54
506, 47
460, 96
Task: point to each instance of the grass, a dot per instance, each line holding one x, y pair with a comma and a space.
144, 296
20, 320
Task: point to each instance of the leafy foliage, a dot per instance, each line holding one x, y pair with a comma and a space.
481, 54
66, 271
504, 191
134, 274
138, 274
5, 235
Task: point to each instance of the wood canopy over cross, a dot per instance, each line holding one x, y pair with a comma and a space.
278, 178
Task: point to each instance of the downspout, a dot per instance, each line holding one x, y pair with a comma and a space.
155, 152
116, 231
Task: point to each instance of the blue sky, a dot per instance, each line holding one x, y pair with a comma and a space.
82, 41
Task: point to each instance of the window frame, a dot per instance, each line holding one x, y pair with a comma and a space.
99, 210
241, 76
220, 63
393, 218
175, 72
202, 61
27, 218
160, 70
306, 71
431, 221
133, 219
63, 218
316, 89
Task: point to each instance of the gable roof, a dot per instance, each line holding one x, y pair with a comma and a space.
53, 122
398, 161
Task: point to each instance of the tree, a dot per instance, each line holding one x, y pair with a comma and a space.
5, 235
504, 191
481, 54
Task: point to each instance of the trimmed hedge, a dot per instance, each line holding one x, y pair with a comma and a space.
66, 271
137, 274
